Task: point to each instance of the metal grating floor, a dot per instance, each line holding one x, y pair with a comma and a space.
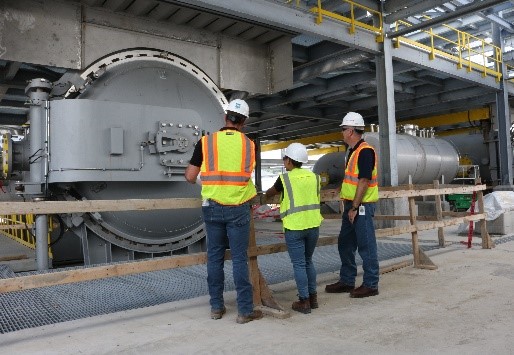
38, 307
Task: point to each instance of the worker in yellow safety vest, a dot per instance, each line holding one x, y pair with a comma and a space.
359, 193
301, 218
225, 161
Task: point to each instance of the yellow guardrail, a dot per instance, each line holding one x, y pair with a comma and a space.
374, 16
462, 52
467, 51
19, 228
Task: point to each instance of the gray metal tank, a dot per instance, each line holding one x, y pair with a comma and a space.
424, 159
126, 129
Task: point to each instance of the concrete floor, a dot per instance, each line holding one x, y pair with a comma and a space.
464, 306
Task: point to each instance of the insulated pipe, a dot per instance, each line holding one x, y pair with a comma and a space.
42, 242
38, 92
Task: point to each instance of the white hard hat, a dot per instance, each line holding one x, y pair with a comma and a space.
239, 106
353, 119
297, 152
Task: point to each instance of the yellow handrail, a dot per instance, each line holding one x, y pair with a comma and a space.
462, 48
19, 229
352, 21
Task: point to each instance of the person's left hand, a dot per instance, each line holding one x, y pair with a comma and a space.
351, 215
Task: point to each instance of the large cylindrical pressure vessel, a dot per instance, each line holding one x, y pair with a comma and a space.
423, 159
126, 129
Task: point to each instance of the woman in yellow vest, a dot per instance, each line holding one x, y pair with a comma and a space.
301, 217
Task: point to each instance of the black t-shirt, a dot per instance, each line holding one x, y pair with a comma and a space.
366, 161
197, 157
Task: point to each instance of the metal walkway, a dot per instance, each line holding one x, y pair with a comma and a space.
38, 307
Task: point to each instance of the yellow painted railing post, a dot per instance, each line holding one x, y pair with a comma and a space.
484, 58
459, 46
431, 56
469, 53
319, 18
352, 20
499, 61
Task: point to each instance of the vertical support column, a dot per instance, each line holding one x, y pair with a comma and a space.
42, 241
388, 166
503, 119
38, 92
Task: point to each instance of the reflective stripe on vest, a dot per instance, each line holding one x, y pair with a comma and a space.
211, 174
226, 171
351, 177
292, 206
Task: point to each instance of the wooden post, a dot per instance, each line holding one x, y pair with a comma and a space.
262, 295
414, 233
421, 260
487, 242
439, 214
253, 266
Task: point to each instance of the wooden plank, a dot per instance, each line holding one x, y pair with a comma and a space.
430, 192
99, 272
13, 257
397, 266
51, 207
403, 218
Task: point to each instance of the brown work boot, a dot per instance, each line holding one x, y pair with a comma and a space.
218, 313
313, 300
302, 306
363, 291
338, 287
241, 319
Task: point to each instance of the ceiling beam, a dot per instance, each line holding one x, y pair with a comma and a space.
463, 11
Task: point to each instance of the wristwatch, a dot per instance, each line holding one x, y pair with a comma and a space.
354, 208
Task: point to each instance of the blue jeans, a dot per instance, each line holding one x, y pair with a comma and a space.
228, 226
358, 236
301, 245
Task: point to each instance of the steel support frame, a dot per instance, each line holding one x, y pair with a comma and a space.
386, 117
503, 119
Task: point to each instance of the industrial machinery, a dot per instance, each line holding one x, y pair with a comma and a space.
124, 128
421, 160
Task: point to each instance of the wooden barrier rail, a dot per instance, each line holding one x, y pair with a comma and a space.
262, 294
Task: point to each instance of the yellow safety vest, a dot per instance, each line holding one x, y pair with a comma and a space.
351, 178
299, 208
226, 171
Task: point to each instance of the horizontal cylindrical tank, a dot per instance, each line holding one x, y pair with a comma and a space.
423, 159
126, 129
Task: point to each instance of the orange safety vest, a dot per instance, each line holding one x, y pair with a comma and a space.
351, 177
226, 171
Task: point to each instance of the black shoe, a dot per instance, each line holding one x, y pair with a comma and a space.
338, 287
